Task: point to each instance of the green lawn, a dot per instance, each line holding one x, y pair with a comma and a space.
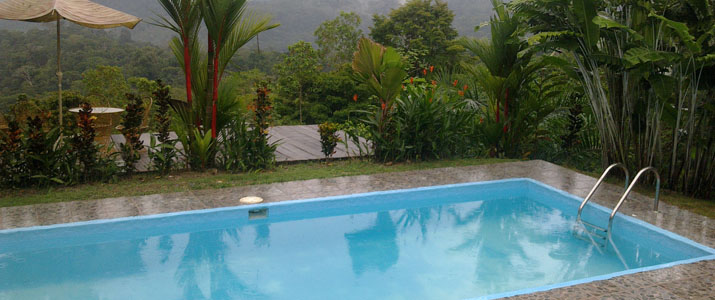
146, 184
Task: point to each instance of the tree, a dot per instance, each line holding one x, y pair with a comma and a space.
229, 29
337, 39
422, 30
506, 71
105, 86
298, 68
185, 21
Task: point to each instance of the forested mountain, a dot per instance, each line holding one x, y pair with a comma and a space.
28, 57
298, 19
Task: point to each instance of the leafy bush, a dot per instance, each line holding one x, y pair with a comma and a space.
130, 128
162, 150
37, 153
86, 154
13, 167
328, 138
245, 148
426, 122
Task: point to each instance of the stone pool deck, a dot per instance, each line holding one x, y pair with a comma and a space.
690, 281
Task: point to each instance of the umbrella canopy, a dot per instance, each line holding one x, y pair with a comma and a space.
82, 12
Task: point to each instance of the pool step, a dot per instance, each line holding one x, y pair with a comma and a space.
595, 227
591, 233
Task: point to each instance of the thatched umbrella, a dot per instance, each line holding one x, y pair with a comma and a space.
82, 12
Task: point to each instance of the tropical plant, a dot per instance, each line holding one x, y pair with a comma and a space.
12, 163
329, 138
517, 93
431, 121
130, 129
382, 70
185, 20
230, 26
243, 148
162, 151
86, 154
641, 72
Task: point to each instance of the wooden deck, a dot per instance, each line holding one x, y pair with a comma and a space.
295, 143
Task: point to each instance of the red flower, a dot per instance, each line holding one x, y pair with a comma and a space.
434, 82
424, 71
454, 83
505, 128
465, 87
461, 93
403, 86
355, 97
412, 80
430, 100
383, 105
431, 69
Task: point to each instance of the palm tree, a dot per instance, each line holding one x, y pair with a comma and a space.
505, 69
230, 27
185, 19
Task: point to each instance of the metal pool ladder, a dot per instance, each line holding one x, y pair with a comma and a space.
596, 228
606, 232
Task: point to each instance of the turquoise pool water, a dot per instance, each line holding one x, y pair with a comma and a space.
451, 242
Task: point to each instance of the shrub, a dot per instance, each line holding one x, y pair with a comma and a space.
328, 138
13, 166
85, 153
163, 149
245, 146
130, 128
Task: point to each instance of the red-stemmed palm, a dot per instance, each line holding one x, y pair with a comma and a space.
185, 20
230, 27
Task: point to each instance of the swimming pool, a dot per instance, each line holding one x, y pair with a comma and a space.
460, 241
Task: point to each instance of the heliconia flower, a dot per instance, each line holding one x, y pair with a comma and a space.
505, 128
431, 69
461, 93
355, 97
434, 82
412, 80
481, 120
403, 86
424, 71
383, 105
454, 83
430, 100
465, 87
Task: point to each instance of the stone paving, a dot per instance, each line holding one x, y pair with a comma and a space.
691, 281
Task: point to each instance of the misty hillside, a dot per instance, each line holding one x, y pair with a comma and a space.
298, 19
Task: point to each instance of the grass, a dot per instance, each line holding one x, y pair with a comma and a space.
149, 183
696, 205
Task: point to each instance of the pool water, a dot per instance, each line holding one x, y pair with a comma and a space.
452, 242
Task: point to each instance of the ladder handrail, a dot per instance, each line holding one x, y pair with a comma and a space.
598, 183
628, 191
